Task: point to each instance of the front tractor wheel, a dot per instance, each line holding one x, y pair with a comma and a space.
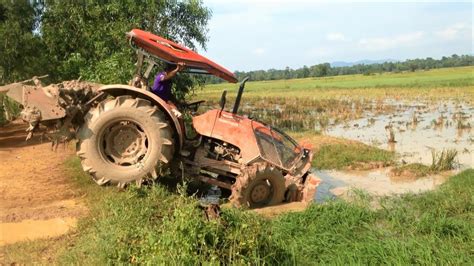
125, 140
258, 186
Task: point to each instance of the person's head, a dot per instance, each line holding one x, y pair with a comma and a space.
170, 67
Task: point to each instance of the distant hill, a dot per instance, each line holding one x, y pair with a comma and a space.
361, 62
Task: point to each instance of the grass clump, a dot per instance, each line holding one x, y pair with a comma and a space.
353, 156
441, 161
444, 160
411, 170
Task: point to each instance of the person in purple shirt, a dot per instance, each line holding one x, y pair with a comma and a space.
162, 84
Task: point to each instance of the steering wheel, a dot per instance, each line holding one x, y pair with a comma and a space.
194, 105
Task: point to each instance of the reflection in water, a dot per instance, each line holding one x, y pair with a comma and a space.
328, 183
391, 146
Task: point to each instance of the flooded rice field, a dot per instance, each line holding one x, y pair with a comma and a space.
297, 114
416, 130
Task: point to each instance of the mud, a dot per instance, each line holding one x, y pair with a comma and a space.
276, 210
34, 189
11, 233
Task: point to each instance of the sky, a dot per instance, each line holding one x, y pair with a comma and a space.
251, 35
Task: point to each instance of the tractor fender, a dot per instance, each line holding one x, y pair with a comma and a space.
120, 89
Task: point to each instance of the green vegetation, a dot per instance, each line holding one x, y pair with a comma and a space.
90, 41
8, 109
151, 225
357, 156
447, 83
38, 252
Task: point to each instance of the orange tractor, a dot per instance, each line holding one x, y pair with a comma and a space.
128, 134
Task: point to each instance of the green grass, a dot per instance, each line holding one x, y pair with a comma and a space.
447, 82
151, 225
360, 156
38, 252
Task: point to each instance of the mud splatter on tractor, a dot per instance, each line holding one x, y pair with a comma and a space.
128, 134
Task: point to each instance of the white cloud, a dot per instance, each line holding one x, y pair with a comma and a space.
453, 32
258, 51
335, 36
385, 43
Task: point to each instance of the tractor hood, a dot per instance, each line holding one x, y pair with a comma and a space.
253, 138
172, 52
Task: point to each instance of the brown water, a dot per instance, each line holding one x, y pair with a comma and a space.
375, 182
35, 229
418, 128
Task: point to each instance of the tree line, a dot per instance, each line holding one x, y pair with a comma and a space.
72, 39
325, 69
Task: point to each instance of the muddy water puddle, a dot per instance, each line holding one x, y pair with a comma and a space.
375, 182
417, 129
35, 229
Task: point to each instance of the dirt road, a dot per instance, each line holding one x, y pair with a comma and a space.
36, 196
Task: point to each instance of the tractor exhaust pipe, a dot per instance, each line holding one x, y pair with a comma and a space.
239, 95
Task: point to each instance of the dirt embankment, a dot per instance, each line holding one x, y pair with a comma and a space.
37, 199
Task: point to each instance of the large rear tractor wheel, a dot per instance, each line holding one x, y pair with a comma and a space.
125, 140
258, 186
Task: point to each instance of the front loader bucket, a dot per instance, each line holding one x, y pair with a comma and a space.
44, 100
58, 104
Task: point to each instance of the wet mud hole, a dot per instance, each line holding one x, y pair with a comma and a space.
37, 199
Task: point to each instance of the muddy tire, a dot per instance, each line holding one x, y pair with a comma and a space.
124, 140
258, 186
